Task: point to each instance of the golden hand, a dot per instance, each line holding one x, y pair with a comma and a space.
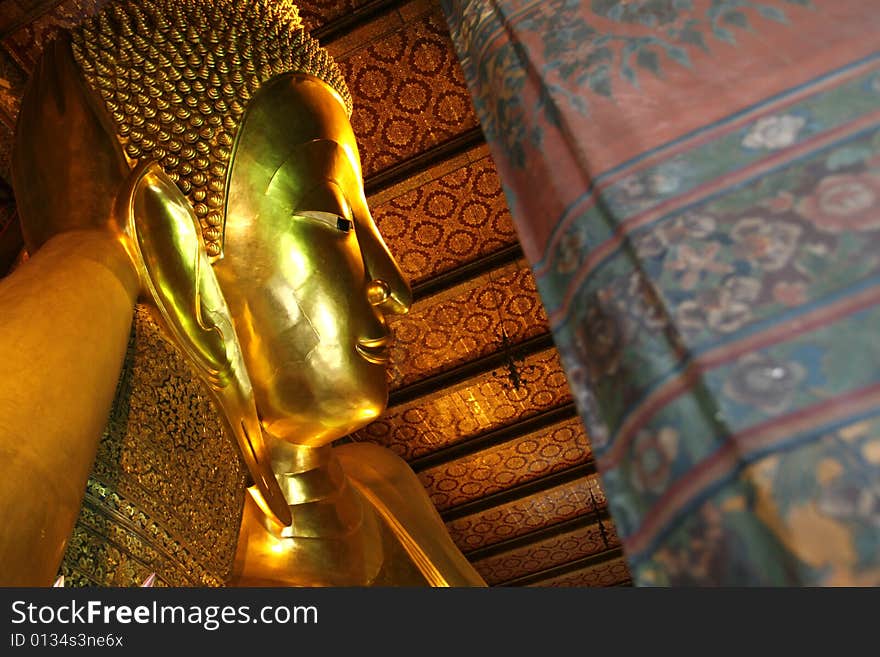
66, 318
68, 166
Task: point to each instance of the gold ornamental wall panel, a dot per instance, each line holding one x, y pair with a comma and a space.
167, 489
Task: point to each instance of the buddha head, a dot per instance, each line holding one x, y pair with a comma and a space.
249, 118
304, 270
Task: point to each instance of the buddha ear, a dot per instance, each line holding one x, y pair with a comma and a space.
179, 282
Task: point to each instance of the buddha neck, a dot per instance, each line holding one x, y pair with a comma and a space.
322, 502
306, 474
334, 539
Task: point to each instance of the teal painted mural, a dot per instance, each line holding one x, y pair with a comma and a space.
697, 188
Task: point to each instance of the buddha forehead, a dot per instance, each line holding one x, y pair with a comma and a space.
295, 136
178, 76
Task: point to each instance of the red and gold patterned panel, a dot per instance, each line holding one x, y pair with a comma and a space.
457, 413
610, 573
518, 461
464, 323
409, 92
548, 553
527, 514
448, 220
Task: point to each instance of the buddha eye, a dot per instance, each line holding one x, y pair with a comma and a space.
329, 218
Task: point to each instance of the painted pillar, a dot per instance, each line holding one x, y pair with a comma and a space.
696, 184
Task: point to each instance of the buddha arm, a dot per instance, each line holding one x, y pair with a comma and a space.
65, 316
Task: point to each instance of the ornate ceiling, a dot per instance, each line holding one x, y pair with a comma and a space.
480, 406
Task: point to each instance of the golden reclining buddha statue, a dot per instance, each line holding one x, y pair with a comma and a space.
194, 160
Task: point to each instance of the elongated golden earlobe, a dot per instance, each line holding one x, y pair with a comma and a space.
179, 283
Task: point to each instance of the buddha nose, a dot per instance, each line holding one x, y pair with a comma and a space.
383, 297
387, 288
378, 292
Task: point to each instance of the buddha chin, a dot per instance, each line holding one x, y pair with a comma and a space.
298, 410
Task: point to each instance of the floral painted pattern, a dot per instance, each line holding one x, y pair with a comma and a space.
719, 272
764, 382
715, 296
823, 506
774, 132
654, 452
844, 202
653, 34
637, 195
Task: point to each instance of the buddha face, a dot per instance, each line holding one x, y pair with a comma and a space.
306, 275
